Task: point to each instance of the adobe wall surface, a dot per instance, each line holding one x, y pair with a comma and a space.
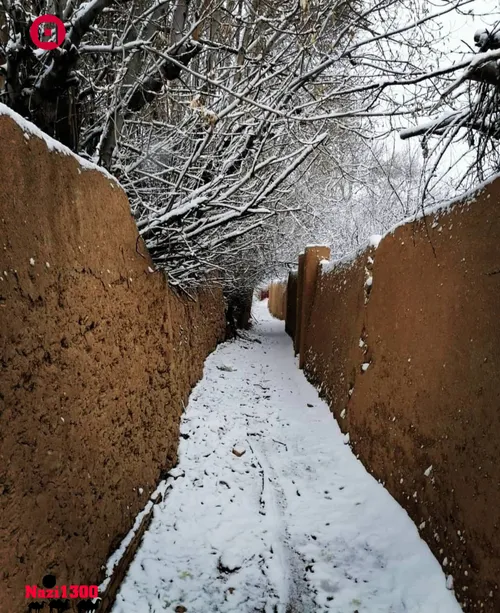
291, 304
97, 357
277, 300
427, 331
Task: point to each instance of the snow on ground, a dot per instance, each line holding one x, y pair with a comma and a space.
294, 524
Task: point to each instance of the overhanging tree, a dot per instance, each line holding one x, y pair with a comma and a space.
208, 111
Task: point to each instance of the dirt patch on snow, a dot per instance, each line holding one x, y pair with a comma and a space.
98, 356
409, 362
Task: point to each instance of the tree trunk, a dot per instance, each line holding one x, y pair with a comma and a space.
59, 118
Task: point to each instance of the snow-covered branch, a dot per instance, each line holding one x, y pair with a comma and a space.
213, 112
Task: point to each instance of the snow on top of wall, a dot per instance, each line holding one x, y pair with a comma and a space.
437, 210
30, 129
327, 266
374, 240
313, 246
446, 206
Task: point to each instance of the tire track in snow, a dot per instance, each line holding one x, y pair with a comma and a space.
289, 563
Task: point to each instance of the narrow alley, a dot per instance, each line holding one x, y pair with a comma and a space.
268, 509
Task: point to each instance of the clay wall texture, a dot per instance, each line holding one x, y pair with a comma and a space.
97, 359
421, 313
291, 304
277, 300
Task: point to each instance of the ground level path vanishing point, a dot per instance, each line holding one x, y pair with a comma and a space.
269, 510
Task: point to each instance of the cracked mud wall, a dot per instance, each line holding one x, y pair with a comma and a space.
404, 343
97, 358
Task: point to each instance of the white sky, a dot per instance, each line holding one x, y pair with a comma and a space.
457, 38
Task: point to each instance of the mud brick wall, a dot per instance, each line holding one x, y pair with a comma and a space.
277, 300
291, 304
97, 357
403, 341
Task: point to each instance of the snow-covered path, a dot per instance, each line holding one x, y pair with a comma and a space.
295, 524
